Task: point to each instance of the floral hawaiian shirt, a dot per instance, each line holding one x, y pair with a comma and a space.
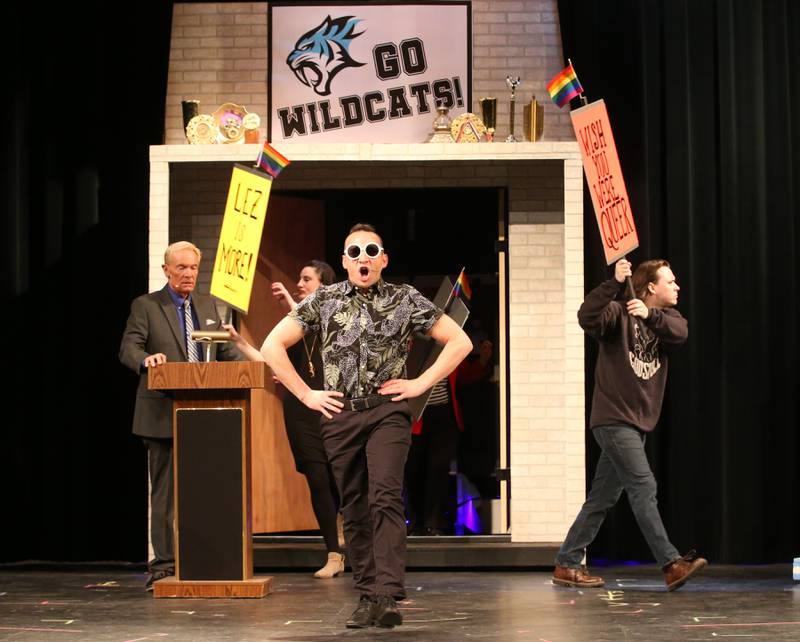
364, 337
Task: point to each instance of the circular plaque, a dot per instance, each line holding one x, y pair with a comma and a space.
202, 130
230, 119
467, 128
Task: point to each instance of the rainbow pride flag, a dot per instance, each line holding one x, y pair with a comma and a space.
462, 286
271, 160
565, 86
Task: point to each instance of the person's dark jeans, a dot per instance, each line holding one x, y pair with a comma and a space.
367, 451
622, 466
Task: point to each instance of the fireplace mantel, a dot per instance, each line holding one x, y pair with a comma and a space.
411, 152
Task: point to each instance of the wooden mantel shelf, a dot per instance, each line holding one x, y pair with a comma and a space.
303, 152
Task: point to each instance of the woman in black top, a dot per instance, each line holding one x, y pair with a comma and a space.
302, 424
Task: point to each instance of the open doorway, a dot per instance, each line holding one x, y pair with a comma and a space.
430, 234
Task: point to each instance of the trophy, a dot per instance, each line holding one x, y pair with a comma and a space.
489, 115
533, 120
441, 126
190, 108
251, 122
512, 85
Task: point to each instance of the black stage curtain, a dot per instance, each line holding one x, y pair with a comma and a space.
700, 95
87, 98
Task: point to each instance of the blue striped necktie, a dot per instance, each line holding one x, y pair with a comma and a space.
191, 346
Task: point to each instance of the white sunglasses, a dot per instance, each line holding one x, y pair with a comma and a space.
354, 251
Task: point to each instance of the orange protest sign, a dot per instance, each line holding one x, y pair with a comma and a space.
604, 177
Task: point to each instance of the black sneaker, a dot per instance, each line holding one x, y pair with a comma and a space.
364, 615
386, 612
154, 577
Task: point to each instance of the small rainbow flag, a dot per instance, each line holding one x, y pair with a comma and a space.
462, 286
271, 160
565, 86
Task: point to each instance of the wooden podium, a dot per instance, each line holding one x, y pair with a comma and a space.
212, 430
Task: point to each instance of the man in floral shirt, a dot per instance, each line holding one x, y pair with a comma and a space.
365, 327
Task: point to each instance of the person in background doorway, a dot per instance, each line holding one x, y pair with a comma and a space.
302, 424
434, 445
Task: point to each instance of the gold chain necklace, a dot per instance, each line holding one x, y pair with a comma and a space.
311, 370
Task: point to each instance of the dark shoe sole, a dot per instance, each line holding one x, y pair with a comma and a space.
678, 583
389, 620
578, 584
354, 625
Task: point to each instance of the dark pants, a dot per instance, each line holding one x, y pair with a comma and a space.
324, 501
622, 466
159, 455
367, 451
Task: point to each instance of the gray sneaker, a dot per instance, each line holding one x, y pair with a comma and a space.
364, 615
386, 612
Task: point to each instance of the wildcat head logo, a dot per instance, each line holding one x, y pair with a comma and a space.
322, 53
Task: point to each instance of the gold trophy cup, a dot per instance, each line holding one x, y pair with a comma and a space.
489, 115
533, 115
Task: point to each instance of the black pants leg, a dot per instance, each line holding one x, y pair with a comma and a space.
324, 501
159, 454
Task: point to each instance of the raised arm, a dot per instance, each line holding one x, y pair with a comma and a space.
668, 325
249, 351
597, 316
280, 292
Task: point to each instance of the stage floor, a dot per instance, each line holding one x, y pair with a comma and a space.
724, 601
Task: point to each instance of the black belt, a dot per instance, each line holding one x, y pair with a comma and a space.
365, 403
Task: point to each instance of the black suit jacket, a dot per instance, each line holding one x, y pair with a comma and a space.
153, 327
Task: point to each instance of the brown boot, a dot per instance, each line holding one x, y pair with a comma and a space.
676, 573
578, 577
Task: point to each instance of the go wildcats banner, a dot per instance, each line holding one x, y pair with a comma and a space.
365, 72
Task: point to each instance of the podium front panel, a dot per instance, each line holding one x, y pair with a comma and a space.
210, 507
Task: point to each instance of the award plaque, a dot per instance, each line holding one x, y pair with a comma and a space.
467, 128
230, 120
202, 130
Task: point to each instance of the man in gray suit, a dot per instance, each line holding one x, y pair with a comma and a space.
158, 331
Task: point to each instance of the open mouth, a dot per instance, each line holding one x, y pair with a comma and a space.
307, 74
363, 271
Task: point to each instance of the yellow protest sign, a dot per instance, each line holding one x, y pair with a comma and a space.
240, 237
